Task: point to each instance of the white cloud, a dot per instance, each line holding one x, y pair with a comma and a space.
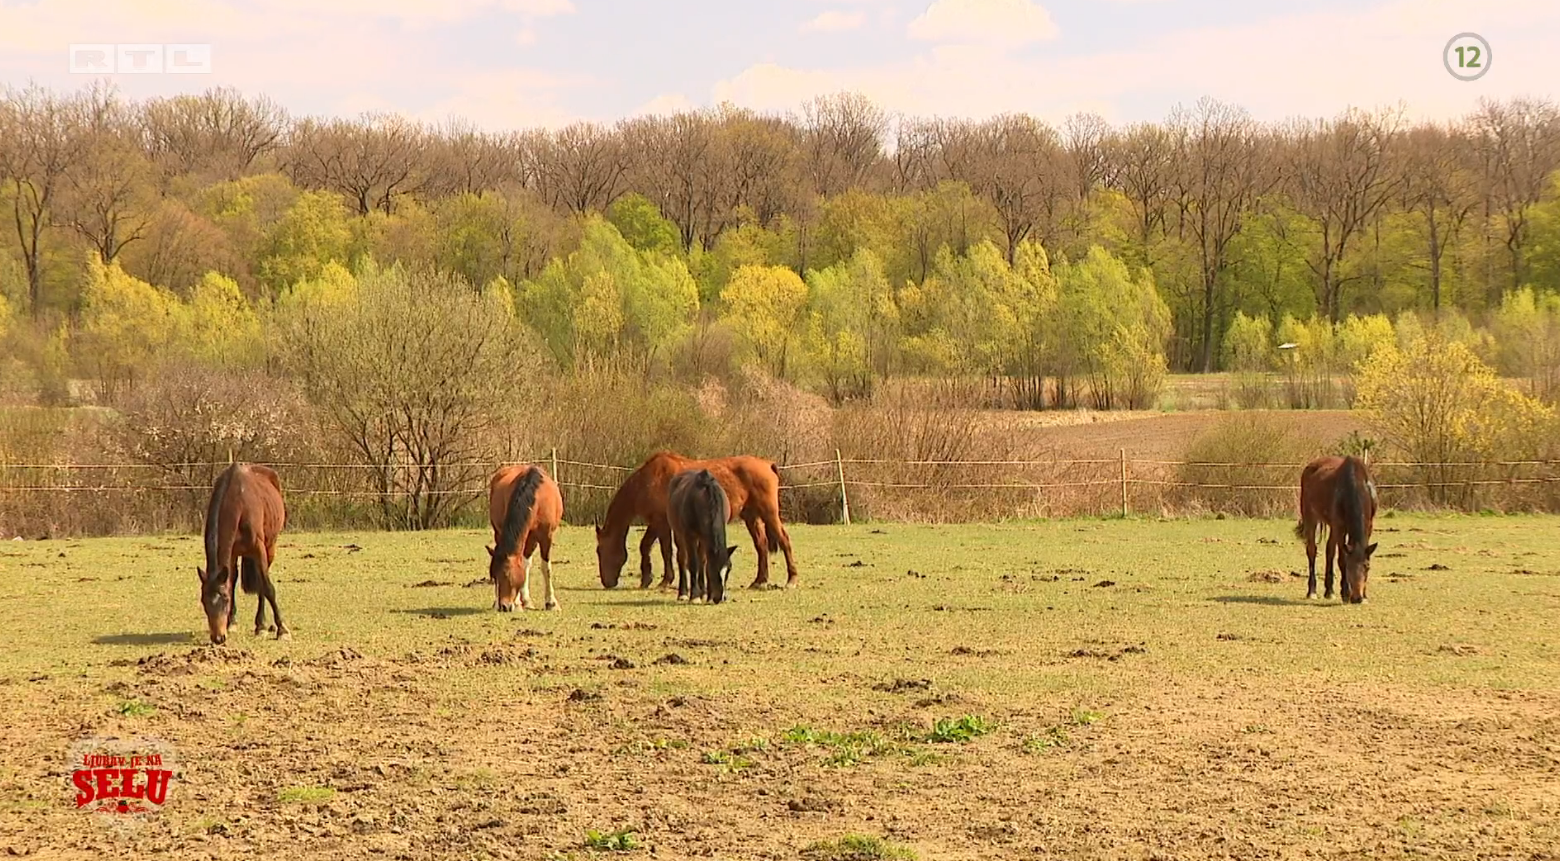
1007, 22
1312, 64
664, 104
835, 21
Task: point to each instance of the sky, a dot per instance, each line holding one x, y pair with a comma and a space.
509, 64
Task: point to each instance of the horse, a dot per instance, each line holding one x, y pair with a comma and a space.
525, 508
243, 518
698, 510
1338, 492
751, 483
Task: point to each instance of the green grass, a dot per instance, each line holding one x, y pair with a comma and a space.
856, 847
305, 795
613, 841
1179, 583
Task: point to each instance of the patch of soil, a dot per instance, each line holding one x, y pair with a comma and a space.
966, 651
474, 583
899, 686
1104, 584
1461, 650
672, 659
429, 584
623, 626
1438, 567
194, 660
1266, 577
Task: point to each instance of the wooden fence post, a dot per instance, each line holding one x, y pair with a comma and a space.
555, 463
1123, 482
839, 466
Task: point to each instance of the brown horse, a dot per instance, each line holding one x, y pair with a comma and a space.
1338, 492
525, 509
752, 485
698, 509
243, 518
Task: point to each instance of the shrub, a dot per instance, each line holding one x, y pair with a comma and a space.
1448, 413
1241, 452
414, 375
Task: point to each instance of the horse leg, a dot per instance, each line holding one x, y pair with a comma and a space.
268, 594
774, 527
683, 586
646, 570
525, 584
1310, 556
1332, 550
545, 550
760, 549
664, 535
696, 556
259, 601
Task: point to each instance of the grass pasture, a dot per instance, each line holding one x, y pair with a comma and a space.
1099, 689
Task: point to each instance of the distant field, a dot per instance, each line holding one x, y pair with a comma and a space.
1108, 689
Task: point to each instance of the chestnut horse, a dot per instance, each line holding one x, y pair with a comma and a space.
525, 508
752, 485
1338, 492
698, 510
243, 517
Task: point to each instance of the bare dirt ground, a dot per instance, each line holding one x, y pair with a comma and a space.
1128, 690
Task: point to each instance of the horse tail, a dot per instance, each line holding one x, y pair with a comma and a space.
248, 576
1300, 529
773, 539
521, 500
715, 506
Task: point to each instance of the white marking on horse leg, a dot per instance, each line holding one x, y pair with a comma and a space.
525, 587
552, 599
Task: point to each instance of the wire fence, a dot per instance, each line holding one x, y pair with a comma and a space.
64, 498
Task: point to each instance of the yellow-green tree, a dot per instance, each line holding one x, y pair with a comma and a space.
853, 325
1440, 406
314, 232
1113, 325
1528, 330
224, 331
127, 325
765, 306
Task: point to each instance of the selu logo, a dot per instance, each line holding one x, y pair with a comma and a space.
121, 784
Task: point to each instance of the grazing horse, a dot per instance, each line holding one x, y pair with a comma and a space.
1338, 492
525, 509
752, 485
698, 510
243, 518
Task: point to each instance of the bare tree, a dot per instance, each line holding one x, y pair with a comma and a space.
108, 196
842, 138
1438, 186
1142, 161
1519, 142
219, 133
1016, 162
672, 166
461, 159
1340, 176
1217, 178
43, 138
371, 162
579, 168
914, 146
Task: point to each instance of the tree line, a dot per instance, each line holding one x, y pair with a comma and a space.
839, 245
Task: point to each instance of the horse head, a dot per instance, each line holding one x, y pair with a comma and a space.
216, 598
611, 556
1356, 571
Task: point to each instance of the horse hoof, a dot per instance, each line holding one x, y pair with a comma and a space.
554, 606
1310, 596
284, 635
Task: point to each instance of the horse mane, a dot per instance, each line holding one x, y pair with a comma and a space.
713, 517
521, 500
212, 529
1352, 506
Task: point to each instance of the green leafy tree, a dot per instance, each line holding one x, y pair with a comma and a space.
314, 231
853, 327
643, 226
1528, 332
608, 300
1114, 325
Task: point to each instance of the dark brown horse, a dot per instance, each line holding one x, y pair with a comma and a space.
525, 509
698, 510
752, 485
1338, 492
243, 518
